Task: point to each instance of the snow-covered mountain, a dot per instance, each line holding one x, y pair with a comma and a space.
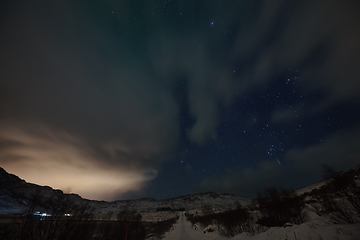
16, 195
153, 210
188, 202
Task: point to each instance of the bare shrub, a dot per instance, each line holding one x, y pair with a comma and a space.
58, 219
158, 229
342, 199
127, 226
229, 223
279, 206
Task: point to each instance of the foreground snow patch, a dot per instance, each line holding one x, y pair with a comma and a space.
310, 230
317, 229
184, 231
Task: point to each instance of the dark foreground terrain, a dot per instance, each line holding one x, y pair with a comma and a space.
30, 227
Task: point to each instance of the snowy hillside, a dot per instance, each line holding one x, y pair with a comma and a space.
315, 229
318, 229
326, 210
15, 195
319, 208
151, 207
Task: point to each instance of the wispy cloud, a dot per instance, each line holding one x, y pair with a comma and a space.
78, 90
63, 161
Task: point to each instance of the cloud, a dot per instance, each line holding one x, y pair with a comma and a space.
294, 113
75, 103
341, 150
189, 169
77, 72
245, 182
286, 115
209, 85
331, 25
319, 37
73, 86
63, 161
298, 168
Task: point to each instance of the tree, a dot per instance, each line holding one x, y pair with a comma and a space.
343, 201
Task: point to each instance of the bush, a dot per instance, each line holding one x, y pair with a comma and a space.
67, 221
63, 220
229, 223
127, 226
158, 229
342, 200
279, 206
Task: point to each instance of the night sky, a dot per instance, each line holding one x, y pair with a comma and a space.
116, 99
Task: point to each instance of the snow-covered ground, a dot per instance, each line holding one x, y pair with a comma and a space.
184, 231
310, 230
317, 229
308, 189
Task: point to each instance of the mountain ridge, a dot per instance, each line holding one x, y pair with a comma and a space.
16, 194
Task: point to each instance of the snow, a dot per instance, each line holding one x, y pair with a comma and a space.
148, 207
309, 230
316, 229
308, 189
183, 230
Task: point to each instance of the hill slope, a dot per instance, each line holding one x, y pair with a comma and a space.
16, 195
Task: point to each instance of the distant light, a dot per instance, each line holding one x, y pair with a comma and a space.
212, 23
41, 214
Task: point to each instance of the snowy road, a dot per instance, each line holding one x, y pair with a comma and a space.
184, 231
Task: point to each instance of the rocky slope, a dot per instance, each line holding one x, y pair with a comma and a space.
17, 196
